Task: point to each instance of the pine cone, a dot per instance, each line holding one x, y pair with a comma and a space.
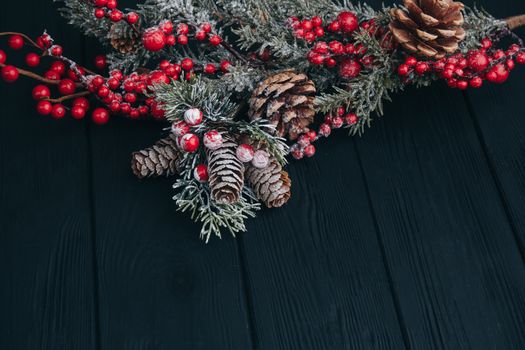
429, 28
286, 100
271, 185
163, 158
226, 172
123, 38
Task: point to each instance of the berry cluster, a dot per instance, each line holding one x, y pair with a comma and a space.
471, 69
165, 34
188, 140
340, 50
108, 9
304, 147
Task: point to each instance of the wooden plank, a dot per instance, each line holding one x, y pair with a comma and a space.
314, 267
161, 287
47, 295
454, 262
498, 113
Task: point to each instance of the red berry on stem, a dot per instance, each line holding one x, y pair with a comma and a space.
41, 92
210, 68
3, 57
167, 27
100, 13
476, 82
100, 3
32, 59
200, 35
112, 4
9, 74
82, 102
351, 119
403, 69
462, 84
16, 42
78, 112
215, 40
317, 21
56, 50
44, 107
132, 17
422, 68
190, 142
183, 29
206, 27
411, 61
520, 58
486, 43
66, 87
201, 173
101, 62
510, 64
154, 39
52, 75
115, 15
309, 151
100, 116
103, 91
478, 61
349, 68
182, 39
158, 77
187, 64
58, 111
225, 65
348, 21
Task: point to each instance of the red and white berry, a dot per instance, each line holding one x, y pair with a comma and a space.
200, 173
261, 159
180, 128
190, 143
193, 116
245, 153
213, 140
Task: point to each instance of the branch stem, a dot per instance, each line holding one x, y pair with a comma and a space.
28, 39
515, 22
68, 97
34, 76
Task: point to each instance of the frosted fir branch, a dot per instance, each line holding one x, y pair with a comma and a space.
479, 24
80, 14
195, 197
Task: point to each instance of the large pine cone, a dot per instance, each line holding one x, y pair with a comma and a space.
226, 172
271, 185
123, 38
162, 159
429, 28
286, 100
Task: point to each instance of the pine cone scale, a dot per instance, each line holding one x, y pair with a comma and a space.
162, 159
271, 185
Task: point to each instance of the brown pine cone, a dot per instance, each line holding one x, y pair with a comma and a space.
286, 100
162, 159
123, 38
429, 28
271, 185
226, 172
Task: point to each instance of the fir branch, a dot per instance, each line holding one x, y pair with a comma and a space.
479, 24
80, 14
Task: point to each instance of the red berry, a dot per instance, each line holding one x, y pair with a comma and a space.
114, 107
341, 111
210, 68
103, 91
330, 62
16, 42
498, 54
41, 92
307, 25
171, 40
58, 111
183, 29
492, 76
130, 97
351, 119
316, 58
348, 21
309, 151
478, 61
100, 3
349, 69
215, 40
520, 58
476, 82
201, 173
32, 59
422, 68
115, 15
309, 36
325, 130
164, 64
225, 65
321, 47
125, 108
158, 77
100, 116
132, 17
312, 135
78, 112
56, 50
167, 27
112, 4
336, 47
486, 43
97, 81
206, 27
154, 39
403, 69
44, 107
319, 32
502, 73
3, 57
66, 87
200, 35
51, 75
447, 73
9, 74
411, 61
190, 142
82, 102
134, 114
101, 62
510, 64
59, 67
462, 84
337, 122
317, 21
187, 64
182, 39
334, 26
100, 13
113, 83
298, 153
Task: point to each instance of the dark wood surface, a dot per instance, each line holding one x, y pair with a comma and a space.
411, 237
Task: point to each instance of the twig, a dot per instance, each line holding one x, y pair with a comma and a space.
34, 76
515, 22
68, 97
23, 35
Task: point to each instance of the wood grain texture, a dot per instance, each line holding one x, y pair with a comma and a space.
315, 270
160, 286
498, 113
454, 261
46, 293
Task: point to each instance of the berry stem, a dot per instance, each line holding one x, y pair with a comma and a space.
68, 97
34, 76
24, 36
515, 21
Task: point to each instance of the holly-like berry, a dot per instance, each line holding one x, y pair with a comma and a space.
245, 153
213, 139
261, 159
44, 107
16, 42
41, 92
348, 21
422, 68
200, 173
132, 17
78, 112
116, 15
157, 112
100, 3
154, 39
180, 128
157, 77
3, 57
112, 4
66, 87
215, 40
206, 27
210, 68
403, 69
200, 35
325, 130
520, 57
351, 118
171, 40
182, 39
193, 116
476, 82
337, 122
58, 111
82, 102
190, 142
100, 13
486, 43
309, 151
225, 65
101, 62
349, 68
100, 116
478, 61
304, 140
56, 50
167, 27
32, 59
187, 64
9, 74
183, 29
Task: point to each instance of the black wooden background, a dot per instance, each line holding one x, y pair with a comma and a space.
411, 237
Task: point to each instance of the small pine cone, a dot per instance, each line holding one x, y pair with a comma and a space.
272, 185
429, 28
286, 100
162, 159
123, 38
226, 172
